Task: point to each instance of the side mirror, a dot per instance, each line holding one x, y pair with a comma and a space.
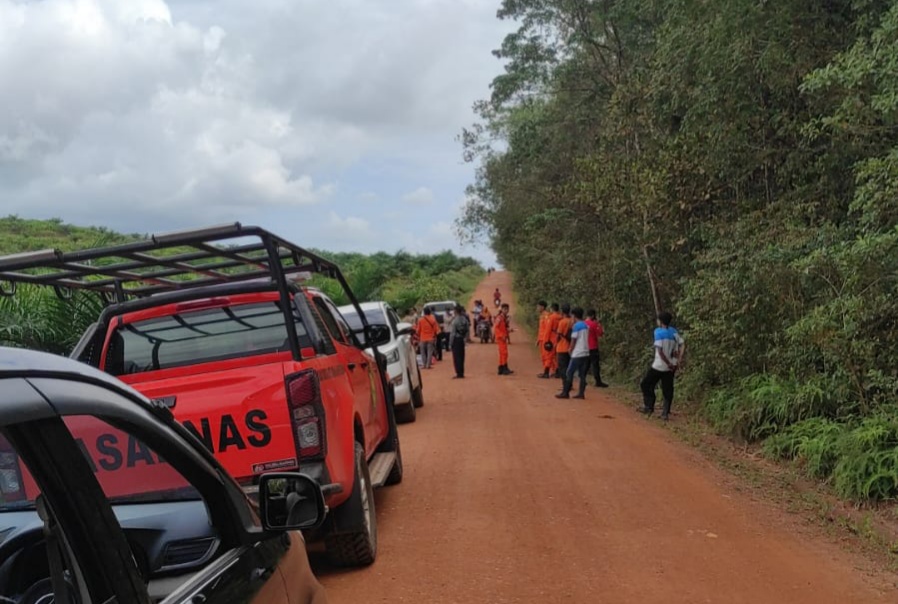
378, 334
404, 329
290, 501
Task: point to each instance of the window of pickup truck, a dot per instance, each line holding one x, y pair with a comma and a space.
201, 336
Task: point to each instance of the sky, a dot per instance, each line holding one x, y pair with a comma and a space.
332, 123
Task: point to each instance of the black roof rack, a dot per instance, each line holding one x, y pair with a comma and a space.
167, 262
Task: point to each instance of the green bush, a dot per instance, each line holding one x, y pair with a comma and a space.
813, 442
868, 459
764, 405
860, 457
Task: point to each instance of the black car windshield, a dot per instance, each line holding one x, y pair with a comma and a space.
127, 469
201, 336
375, 316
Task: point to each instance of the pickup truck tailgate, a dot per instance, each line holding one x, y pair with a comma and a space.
233, 411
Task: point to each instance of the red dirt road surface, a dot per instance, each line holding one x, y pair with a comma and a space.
513, 496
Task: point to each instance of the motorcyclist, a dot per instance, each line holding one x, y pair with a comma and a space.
476, 312
497, 298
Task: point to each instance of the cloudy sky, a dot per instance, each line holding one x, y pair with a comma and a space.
331, 122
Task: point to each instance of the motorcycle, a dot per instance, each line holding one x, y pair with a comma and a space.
484, 331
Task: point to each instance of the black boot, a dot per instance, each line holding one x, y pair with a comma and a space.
544, 375
504, 370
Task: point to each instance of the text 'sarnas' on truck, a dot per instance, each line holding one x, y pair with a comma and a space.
215, 325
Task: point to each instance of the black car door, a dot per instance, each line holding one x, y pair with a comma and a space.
243, 575
136, 464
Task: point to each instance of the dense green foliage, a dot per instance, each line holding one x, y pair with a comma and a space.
36, 318
733, 162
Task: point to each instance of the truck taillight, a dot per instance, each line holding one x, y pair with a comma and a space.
307, 414
11, 486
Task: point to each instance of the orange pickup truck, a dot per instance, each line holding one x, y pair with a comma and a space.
216, 325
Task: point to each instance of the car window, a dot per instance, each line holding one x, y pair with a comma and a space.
33, 563
26, 568
127, 469
329, 320
374, 316
394, 319
341, 322
200, 336
323, 329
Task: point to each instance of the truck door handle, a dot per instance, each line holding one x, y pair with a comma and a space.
351, 366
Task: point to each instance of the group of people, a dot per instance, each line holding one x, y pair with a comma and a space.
458, 328
569, 346
568, 341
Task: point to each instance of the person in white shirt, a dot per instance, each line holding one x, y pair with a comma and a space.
669, 348
579, 353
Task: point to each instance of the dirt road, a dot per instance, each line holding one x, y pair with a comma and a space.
513, 496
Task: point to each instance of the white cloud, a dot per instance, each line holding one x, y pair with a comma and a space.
151, 115
351, 225
420, 196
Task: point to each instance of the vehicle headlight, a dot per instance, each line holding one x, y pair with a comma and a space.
393, 356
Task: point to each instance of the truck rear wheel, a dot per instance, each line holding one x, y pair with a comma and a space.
358, 547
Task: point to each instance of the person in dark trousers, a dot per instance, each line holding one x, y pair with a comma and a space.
669, 348
459, 330
578, 364
596, 331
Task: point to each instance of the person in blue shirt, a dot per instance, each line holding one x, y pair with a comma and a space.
669, 348
579, 356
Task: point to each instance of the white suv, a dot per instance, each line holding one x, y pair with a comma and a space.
402, 361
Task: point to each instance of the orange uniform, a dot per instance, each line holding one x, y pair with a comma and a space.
501, 331
542, 338
563, 336
554, 320
427, 328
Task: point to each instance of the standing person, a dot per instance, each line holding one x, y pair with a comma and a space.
545, 347
554, 319
427, 329
669, 348
458, 334
411, 316
596, 331
478, 310
579, 356
563, 342
487, 318
502, 329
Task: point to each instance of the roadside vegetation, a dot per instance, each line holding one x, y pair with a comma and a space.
736, 164
37, 318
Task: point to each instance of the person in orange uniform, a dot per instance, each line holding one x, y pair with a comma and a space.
563, 342
501, 331
554, 320
427, 330
542, 339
